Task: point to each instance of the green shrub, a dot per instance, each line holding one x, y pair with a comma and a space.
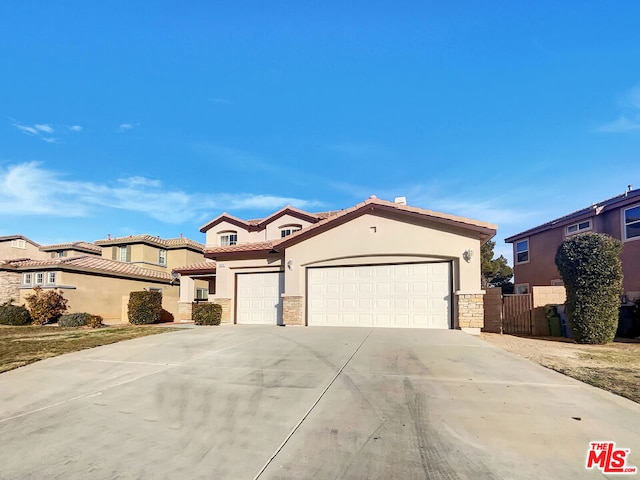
145, 307
45, 305
11, 314
74, 320
207, 313
94, 321
590, 267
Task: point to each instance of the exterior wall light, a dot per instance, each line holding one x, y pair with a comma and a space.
467, 255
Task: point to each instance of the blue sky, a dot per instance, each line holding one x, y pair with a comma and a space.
153, 117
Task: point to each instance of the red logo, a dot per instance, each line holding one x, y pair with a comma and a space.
608, 458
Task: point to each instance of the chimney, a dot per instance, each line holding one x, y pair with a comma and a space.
181, 235
400, 200
630, 187
108, 236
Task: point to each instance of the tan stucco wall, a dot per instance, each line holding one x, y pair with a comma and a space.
273, 228
7, 252
354, 243
244, 236
103, 295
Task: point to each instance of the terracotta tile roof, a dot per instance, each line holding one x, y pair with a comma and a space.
595, 209
242, 247
149, 239
200, 267
86, 246
90, 263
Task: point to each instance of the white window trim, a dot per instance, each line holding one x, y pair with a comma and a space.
162, 259
290, 229
206, 293
35, 278
624, 224
227, 234
24, 278
567, 233
18, 243
518, 285
122, 250
515, 251
48, 278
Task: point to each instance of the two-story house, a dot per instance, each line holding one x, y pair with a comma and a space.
378, 263
97, 278
534, 250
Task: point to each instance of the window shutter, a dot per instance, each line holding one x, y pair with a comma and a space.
53, 254
114, 253
128, 253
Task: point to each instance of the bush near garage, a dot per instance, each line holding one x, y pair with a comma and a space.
145, 307
45, 306
80, 320
15, 315
590, 267
207, 313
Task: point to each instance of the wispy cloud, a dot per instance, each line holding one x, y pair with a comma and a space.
126, 126
44, 131
630, 121
31, 189
44, 128
621, 125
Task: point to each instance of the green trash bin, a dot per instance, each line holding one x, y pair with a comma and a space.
555, 325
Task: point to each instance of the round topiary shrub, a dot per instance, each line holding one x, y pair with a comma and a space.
74, 319
145, 307
590, 267
94, 321
206, 313
16, 315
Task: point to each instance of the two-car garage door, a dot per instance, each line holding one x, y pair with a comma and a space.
400, 295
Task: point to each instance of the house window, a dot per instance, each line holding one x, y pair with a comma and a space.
287, 230
521, 288
228, 238
17, 243
122, 254
162, 257
51, 278
578, 227
632, 222
39, 278
62, 253
522, 251
202, 293
155, 289
26, 279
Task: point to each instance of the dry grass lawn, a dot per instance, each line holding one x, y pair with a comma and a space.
614, 367
23, 345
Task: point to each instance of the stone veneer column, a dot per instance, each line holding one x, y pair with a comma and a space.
10, 286
292, 310
225, 303
470, 312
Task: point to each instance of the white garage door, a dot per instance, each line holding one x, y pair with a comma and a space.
258, 298
404, 295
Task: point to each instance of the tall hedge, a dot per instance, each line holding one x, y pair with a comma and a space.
145, 307
590, 267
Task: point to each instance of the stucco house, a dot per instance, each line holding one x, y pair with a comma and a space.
534, 250
97, 278
378, 263
19, 246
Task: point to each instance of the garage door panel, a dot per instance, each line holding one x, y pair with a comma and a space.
259, 298
401, 295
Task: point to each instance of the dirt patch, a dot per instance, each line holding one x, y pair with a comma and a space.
20, 346
614, 367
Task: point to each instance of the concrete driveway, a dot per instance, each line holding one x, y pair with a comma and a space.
242, 402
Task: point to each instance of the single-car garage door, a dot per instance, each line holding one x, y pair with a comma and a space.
414, 295
258, 298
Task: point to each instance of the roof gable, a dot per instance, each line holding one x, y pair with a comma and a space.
168, 244
225, 217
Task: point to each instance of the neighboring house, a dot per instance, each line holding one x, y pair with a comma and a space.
378, 263
534, 250
17, 246
96, 283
